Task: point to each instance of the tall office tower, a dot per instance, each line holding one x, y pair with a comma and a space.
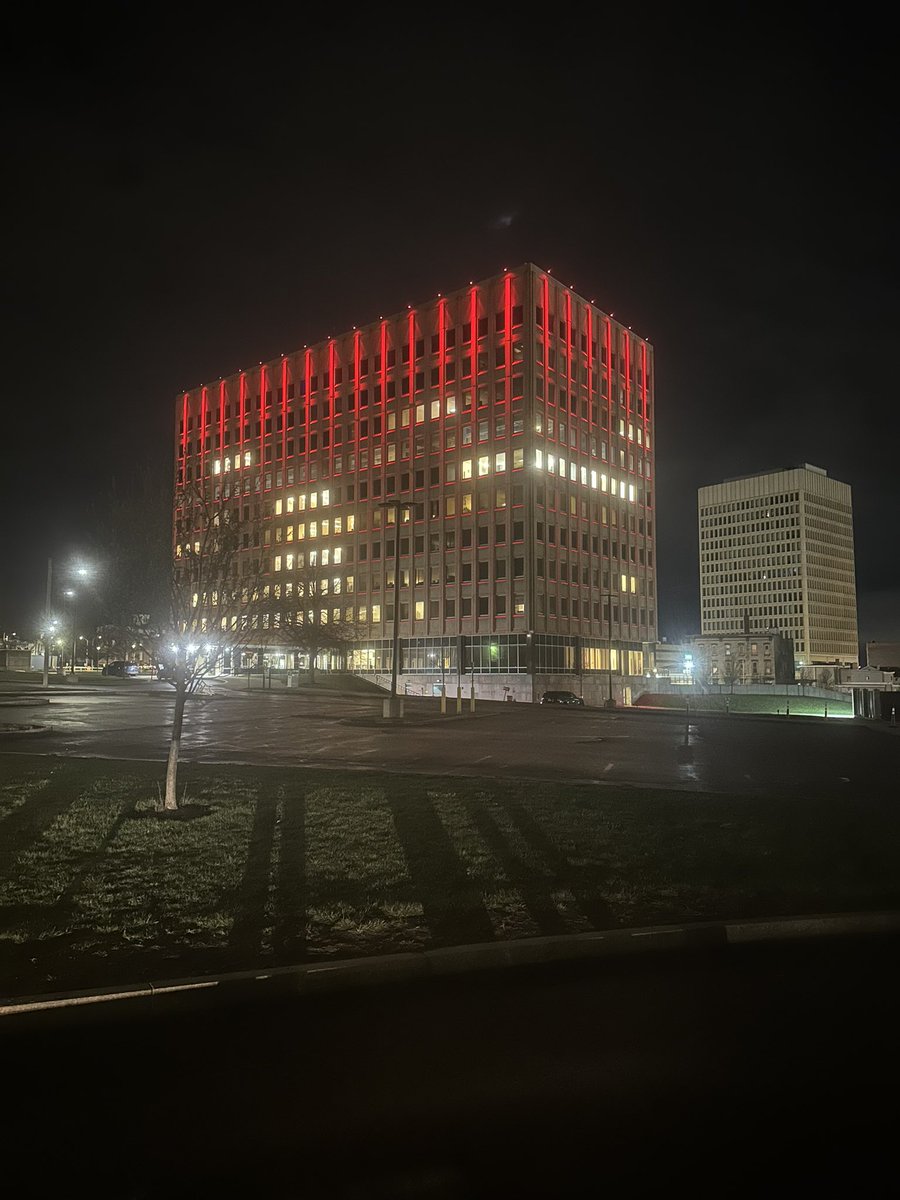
509, 427
776, 550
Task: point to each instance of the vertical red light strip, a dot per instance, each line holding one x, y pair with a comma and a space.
331, 385
243, 400
307, 383
545, 297
204, 409
221, 418
507, 318
184, 439
262, 423
644, 384
590, 365
357, 360
411, 334
284, 408
627, 377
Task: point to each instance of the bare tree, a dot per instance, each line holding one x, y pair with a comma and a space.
731, 672
826, 677
806, 677
216, 602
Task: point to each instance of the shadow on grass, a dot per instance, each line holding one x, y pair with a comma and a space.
452, 905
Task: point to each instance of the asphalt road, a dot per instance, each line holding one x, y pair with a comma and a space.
757, 1070
795, 756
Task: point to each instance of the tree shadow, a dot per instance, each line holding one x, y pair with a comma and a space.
291, 892
566, 876
26, 823
532, 886
452, 905
248, 926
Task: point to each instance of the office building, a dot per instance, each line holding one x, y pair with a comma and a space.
776, 550
509, 426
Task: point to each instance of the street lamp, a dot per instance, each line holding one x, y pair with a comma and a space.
394, 707
82, 571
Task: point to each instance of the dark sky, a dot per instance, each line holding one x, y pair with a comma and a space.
180, 203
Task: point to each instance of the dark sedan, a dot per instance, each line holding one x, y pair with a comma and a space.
562, 698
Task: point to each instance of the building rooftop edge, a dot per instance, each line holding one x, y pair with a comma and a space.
519, 268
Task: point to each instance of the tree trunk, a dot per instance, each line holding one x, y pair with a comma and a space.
312, 664
171, 802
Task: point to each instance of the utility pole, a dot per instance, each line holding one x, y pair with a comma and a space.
394, 706
47, 623
608, 596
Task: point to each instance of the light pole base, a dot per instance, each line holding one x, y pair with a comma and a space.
392, 708
609, 704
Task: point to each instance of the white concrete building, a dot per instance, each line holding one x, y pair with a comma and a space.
776, 550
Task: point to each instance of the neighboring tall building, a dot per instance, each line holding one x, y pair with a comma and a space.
776, 551
517, 422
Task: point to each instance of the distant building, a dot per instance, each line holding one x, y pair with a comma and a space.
743, 658
776, 550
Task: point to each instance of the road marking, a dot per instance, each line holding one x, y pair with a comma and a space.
609, 766
484, 758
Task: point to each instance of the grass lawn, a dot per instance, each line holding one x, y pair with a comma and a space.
777, 702
276, 865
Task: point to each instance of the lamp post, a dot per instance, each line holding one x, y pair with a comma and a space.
46, 679
394, 706
70, 595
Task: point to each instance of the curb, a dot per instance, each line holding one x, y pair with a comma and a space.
487, 956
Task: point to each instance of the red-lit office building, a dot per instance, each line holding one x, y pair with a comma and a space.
514, 423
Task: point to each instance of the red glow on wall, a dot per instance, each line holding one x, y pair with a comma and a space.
242, 401
590, 363
221, 442
545, 303
204, 410
331, 385
284, 408
307, 383
644, 379
507, 325
357, 360
184, 429
610, 377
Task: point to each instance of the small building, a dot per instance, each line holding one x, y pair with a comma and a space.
14, 659
743, 657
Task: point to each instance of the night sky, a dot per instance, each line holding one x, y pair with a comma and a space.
180, 205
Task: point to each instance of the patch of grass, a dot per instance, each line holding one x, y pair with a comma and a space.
773, 704
282, 865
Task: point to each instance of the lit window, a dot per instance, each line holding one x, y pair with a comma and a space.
376, 613
420, 413
351, 523
584, 476
325, 557
551, 463
313, 529
217, 467
622, 489
290, 504
631, 491
301, 503
573, 472
604, 483
435, 409
301, 531
450, 405
624, 582
338, 524
633, 584
247, 458
391, 422
277, 562
404, 418
467, 502
337, 555
539, 458
467, 468
314, 500
277, 508
561, 466
500, 461
484, 464
594, 480
518, 458
326, 497
227, 464
420, 610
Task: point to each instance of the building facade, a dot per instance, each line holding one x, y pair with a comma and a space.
743, 658
506, 428
776, 550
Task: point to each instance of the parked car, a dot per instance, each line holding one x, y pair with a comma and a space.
121, 669
562, 698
